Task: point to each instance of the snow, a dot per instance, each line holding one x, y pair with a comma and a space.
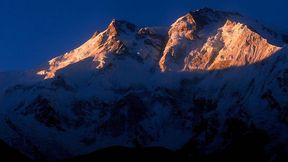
164, 70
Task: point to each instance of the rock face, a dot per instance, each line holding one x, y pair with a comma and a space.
120, 38
205, 40
233, 45
210, 83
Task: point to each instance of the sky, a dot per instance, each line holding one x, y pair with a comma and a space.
34, 31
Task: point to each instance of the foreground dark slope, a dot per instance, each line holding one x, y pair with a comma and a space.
9, 154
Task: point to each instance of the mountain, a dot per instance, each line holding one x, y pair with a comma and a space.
213, 85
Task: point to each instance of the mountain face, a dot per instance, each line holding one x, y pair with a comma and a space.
121, 38
205, 40
213, 83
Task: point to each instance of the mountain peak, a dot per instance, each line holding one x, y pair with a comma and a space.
207, 16
95, 34
208, 39
117, 26
184, 26
195, 20
207, 10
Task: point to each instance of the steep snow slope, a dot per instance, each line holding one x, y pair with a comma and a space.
211, 80
120, 37
208, 40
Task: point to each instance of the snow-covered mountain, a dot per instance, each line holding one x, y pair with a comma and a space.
208, 81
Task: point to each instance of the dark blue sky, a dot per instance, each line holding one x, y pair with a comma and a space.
33, 31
